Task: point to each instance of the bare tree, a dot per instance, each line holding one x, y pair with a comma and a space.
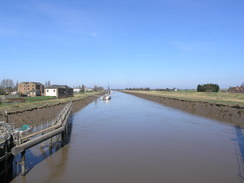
7, 83
95, 88
83, 88
17, 84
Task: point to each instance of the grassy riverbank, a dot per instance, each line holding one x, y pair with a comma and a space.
39, 102
232, 99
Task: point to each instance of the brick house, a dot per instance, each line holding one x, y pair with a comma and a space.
59, 91
31, 89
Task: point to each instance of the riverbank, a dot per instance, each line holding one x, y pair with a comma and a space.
229, 110
44, 111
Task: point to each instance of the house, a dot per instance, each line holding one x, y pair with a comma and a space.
34, 93
77, 90
88, 89
31, 89
59, 91
238, 89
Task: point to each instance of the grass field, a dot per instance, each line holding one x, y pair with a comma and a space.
217, 98
40, 98
32, 102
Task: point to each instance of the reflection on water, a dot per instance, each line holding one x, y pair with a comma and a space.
131, 140
34, 155
240, 151
6, 169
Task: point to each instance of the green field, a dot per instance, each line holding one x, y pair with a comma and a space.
40, 98
32, 102
232, 99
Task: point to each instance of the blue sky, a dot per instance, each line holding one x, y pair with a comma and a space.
129, 43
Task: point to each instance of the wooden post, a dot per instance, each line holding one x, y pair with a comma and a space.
6, 116
23, 163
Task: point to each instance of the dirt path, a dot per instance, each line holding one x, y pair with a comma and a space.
229, 114
44, 114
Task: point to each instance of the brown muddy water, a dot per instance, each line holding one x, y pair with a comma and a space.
132, 140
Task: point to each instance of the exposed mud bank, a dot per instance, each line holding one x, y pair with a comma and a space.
38, 115
230, 114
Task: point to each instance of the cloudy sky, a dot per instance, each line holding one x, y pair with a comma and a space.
129, 43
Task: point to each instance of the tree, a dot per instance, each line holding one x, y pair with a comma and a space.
7, 83
2, 92
45, 84
95, 88
83, 88
242, 85
100, 89
17, 84
208, 88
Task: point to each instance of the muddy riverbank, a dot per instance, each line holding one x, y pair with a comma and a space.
131, 140
225, 113
43, 114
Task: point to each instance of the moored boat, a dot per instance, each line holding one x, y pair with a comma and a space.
106, 97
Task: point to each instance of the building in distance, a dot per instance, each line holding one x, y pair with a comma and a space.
77, 90
238, 89
31, 89
59, 91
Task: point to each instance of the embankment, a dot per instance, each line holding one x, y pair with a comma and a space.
38, 115
221, 112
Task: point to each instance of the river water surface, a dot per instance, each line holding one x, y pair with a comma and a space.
132, 140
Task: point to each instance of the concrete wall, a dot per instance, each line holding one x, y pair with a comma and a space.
51, 92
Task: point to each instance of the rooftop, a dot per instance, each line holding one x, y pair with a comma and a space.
58, 86
37, 83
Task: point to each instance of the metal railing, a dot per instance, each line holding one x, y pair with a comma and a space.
59, 125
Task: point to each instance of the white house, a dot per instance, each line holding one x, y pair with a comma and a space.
51, 92
59, 91
76, 90
88, 89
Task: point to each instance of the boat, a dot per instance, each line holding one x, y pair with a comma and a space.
106, 97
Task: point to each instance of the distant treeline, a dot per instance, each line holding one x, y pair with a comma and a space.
208, 88
143, 89
148, 89
166, 89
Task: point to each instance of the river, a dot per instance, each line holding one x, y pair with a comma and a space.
132, 140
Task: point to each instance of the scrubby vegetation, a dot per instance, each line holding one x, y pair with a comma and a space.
208, 88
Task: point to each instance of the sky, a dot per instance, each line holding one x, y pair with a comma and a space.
126, 43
